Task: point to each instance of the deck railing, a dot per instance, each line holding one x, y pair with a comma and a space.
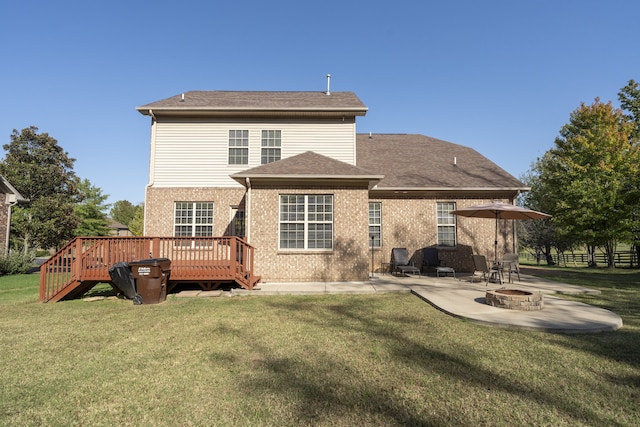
86, 261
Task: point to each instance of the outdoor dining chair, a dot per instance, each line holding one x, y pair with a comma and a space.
510, 264
480, 265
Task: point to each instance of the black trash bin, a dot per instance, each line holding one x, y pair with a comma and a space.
122, 278
151, 276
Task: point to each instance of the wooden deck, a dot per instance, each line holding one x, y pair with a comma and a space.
207, 261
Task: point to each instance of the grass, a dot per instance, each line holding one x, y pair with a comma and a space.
382, 360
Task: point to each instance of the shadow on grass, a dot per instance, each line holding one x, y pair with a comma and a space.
620, 290
327, 387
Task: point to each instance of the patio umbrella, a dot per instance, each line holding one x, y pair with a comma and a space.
499, 210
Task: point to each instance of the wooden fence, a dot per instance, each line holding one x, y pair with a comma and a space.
626, 259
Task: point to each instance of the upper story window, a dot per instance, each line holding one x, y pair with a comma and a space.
193, 219
446, 224
271, 144
238, 147
306, 221
375, 224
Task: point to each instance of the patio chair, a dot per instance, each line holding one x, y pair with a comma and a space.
511, 264
480, 265
431, 261
400, 262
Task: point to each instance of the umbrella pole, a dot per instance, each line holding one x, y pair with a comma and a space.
495, 242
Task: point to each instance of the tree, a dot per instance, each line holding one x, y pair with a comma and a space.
123, 211
43, 173
537, 235
588, 179
629, 97
90, 209
132, 216
136, 226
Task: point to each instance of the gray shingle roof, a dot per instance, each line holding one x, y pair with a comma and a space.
226, 101
422, 162
308, 165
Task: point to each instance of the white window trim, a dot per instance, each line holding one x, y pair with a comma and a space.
194, 224
229, 146
306, 223
453, 225
267, 147
233, 210
376, 225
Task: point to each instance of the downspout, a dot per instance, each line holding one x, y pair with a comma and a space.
11, 201
514, 231
247, 212
152, 156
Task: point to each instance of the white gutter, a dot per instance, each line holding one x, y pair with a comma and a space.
452, 188
173, 109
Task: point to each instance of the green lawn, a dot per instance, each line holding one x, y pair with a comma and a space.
359, 360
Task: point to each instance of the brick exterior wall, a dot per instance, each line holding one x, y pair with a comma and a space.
408, 223
4, 217
412, 224
347, 262
159, 207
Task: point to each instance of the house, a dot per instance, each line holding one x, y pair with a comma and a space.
117, 229
11, 197
288, 172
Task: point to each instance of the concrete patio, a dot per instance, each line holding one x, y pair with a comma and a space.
460, 297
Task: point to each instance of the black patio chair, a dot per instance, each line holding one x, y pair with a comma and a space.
400, 262
431, 262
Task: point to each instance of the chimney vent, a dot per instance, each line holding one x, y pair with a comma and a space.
328, 84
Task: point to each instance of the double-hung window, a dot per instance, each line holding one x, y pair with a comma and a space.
193, 219
238, 147
306, 221
236, 226
375, 224
446, 224
271, 145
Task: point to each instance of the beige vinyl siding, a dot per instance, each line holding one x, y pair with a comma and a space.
195, 152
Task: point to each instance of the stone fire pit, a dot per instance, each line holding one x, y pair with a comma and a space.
515, 299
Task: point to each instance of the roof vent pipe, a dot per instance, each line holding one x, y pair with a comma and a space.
455, 161
328, 84
182, 99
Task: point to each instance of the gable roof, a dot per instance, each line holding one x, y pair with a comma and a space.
418, 162
7, 188
112, 223
243, 103
307, 166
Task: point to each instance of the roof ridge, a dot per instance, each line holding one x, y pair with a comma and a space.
308, 163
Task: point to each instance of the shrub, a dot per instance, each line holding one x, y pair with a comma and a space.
16, 263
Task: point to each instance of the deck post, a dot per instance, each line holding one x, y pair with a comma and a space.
75, 258
233, 246
85, 261
154, 250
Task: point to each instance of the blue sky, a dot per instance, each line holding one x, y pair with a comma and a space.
499, 76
